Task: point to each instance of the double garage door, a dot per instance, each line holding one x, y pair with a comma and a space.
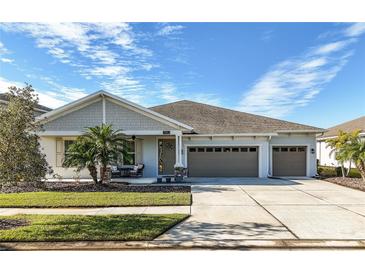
223, 161
243, 161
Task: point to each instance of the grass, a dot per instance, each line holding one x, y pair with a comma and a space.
90, 228
93, 199
329, 171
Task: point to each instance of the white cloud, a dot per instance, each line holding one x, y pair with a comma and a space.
3, 49
355, 29
296, 81
107, 71
6, 60
332, 47
170, 29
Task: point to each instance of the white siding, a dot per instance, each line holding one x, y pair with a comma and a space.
48, 145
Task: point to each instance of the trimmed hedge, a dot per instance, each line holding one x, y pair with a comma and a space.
329, 171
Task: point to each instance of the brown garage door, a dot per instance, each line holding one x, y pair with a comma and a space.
289, 161
223, 161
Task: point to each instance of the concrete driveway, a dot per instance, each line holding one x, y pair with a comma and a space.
247, 209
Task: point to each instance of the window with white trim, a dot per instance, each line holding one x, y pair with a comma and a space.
131, 151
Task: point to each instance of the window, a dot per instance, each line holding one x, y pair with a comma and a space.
209, 149
301, 149
227, 149
235, 149
293, 149
130, 146
67, 144
276, 149
218, 149
252, 149
200, 149
244, 149
284, 149
192, 149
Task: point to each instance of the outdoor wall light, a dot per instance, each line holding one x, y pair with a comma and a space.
313, 151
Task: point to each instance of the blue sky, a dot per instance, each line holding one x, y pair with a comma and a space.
311, 73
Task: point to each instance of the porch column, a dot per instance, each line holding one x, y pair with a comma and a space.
178, 147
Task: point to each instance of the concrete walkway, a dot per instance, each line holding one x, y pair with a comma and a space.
254, 209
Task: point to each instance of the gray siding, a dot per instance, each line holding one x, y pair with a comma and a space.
78, 120
125, 119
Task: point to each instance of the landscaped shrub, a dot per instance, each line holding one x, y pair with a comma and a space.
329, 171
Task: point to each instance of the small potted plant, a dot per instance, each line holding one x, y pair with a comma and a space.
179, 172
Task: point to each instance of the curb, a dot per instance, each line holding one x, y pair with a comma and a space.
160, 244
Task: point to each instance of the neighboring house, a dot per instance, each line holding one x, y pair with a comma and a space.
324, 155
39, 109
208, 140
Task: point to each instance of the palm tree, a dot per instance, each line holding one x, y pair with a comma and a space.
81, 154
107, 144
355, 150
336, 144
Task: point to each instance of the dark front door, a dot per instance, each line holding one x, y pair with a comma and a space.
166, 156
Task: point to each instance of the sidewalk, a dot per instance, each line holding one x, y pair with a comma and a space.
98, 211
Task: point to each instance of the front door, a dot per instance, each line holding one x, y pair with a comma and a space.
166, 156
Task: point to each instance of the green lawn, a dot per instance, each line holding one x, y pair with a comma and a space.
90, 228
93, 199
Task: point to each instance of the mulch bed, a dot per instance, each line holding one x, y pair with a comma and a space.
91, 187
12, 223
356, 183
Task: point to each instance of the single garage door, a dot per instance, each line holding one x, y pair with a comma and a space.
289, 160
223, 161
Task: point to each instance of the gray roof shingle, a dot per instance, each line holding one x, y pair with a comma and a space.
358, 123
207, 119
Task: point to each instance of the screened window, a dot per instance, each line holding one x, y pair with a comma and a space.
130, 146
67, 144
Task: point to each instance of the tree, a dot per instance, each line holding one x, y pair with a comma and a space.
349, 147
107, 144
20, 155
336, 144
81, 154
354, 149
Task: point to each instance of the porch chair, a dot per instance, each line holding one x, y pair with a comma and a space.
137, 171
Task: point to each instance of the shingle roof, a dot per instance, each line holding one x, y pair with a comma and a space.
4, 97
207, 119
352, 125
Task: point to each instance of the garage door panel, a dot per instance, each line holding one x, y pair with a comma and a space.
223, 164
289, 161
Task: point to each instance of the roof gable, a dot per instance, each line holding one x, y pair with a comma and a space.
207, 119
78, 104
